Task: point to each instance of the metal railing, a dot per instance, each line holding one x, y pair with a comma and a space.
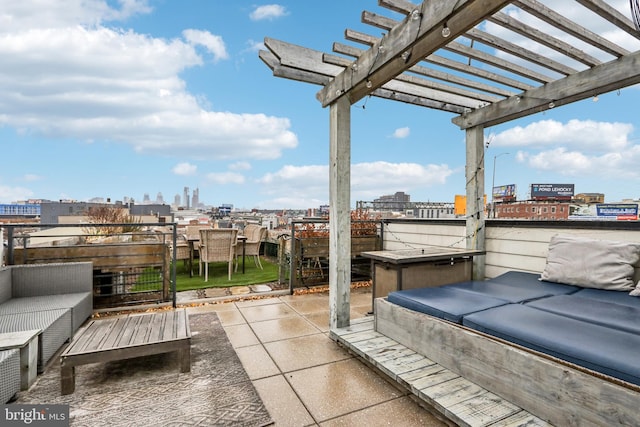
133, 263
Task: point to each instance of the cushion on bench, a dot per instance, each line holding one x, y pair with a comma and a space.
443, 302
622, 298
515, 291
582, 343
604, 313
80, 303
523, 279
517, 277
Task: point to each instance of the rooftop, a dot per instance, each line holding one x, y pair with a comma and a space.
302, 376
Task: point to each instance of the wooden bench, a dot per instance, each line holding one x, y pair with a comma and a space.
125, 337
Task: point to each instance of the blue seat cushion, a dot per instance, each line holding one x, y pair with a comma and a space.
617, 297
594, 311
524, 279
516, 290
601, 349
443, 302
517, 277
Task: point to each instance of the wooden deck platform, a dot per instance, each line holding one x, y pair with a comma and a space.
459, 400
126, 337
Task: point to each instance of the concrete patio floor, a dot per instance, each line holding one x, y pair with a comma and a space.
303, 377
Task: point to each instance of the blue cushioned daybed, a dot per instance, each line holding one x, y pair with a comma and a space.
574, 329
610, 351
579, 326
596, 328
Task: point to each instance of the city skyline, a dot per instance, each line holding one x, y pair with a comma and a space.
83, 114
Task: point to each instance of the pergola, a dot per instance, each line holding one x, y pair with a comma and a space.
454, 56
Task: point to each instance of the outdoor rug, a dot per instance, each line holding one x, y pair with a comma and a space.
151, 390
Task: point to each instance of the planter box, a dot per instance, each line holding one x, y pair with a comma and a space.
310, 263
313, 247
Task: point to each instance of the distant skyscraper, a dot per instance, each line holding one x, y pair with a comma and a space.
186, 197
195, 200
145, 199
397, 201
159, 199
176, 201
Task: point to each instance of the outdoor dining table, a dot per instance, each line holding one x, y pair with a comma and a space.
192, 248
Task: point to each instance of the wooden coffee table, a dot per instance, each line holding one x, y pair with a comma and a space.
125, 337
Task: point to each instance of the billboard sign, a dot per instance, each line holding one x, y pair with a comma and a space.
552, 191
605, 212
619, 211
504, 192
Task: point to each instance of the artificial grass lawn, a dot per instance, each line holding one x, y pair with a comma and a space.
218, 275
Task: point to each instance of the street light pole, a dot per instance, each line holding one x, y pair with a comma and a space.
493, 184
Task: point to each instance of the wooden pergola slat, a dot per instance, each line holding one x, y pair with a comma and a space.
551, 17
420, 33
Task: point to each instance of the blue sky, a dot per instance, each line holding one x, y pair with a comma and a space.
116, 99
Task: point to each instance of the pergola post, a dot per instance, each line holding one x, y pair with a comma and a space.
339, 213
475, 229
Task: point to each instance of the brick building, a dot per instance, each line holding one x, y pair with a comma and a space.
533, 210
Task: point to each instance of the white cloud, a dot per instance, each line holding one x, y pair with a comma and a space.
214, 44
225, 178
240, 166
607, 166
255, 46
25, 15
583, 134
269, 12
560, 160
105, 84
401, 133
184, 169
368, 180
30, 177
577, 148
13, 194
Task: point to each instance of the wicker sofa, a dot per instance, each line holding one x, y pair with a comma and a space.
53, 298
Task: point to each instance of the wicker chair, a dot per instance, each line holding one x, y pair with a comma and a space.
183, 252
217, 245
255, 234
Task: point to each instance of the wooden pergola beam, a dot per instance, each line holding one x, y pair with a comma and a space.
419, 34
603, 78
406, 92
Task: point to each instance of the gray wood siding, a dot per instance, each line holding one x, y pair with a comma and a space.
509, 245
